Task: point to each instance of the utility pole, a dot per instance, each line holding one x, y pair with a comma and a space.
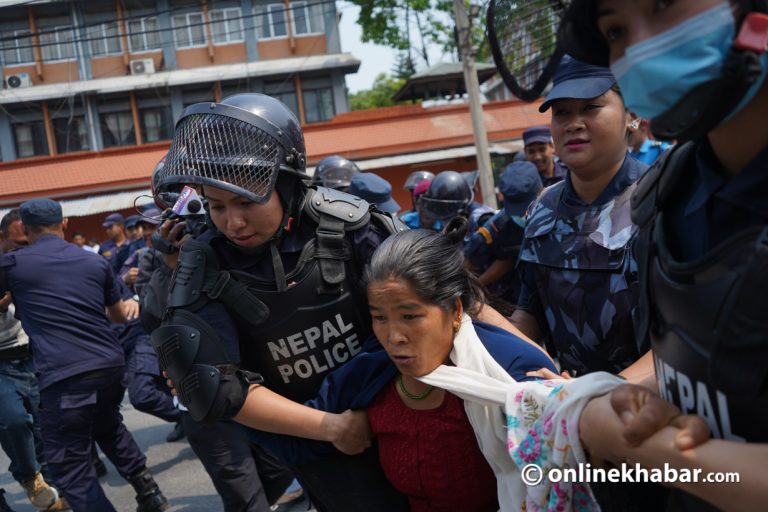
472, 85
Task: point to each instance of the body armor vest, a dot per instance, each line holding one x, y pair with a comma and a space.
586, 279
706, 318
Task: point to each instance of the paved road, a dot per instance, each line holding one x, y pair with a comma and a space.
175, 467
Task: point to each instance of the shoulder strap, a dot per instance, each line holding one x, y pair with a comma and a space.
652, 190
336, 213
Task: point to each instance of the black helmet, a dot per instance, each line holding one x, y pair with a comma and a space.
238, 145
417, 177
335, 172
447, 197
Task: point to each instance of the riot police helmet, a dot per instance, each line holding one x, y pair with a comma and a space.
417, 177
448, 196
239, 145
335, 172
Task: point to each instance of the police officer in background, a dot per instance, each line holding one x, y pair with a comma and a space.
493, 249
283, 263
412, 181
702, 212
374, 189
114, 223
61, 293
448, 196
19, 395
335, 172
641, 145
539, 150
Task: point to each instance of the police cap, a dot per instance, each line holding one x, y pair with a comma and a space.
40, 212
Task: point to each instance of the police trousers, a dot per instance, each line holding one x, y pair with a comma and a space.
75, 413
247, 478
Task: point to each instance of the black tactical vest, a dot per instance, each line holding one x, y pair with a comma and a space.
707, 318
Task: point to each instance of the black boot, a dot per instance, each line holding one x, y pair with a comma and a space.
148, 494
4, 507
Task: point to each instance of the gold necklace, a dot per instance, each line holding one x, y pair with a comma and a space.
421, 396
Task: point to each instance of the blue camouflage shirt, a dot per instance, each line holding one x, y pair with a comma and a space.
580, 276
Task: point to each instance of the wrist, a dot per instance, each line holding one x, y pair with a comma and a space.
331, 427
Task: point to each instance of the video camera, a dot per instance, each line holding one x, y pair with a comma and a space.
188, 208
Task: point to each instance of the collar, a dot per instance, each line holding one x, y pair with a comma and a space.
629, 172
747, 190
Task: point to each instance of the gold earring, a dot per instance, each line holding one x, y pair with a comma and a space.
456, 327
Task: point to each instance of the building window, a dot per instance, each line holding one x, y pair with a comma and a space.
104, 39
17, 48
270, 21
30, 139
71, 134
307, 18
144, 35
189, 29
285, 92
226, 25
56, 43
117, 129
318, 104
156, 124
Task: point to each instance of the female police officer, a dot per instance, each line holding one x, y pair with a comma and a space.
273, 287
697, 70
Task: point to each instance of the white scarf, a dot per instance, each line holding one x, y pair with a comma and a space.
520, 423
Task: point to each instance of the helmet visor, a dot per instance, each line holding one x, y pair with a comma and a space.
442, 209
223, 152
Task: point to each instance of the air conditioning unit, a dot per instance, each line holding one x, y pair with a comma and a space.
18, 81
142, 66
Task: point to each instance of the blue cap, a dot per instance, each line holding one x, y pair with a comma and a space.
536, 134
520, 184
374, 189
150, 216
113, 218
40, 212
132, 220
578, 80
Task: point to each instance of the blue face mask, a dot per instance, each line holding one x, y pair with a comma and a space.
657, 73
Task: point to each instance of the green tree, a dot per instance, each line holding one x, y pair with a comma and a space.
414, 25
379, 95
404, 67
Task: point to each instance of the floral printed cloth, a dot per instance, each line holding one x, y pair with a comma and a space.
519, 424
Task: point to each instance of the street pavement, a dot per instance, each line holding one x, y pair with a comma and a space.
175, 467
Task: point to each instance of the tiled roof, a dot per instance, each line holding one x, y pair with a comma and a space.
76, 174
388, 132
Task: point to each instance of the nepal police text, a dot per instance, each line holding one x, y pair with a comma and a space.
324, 347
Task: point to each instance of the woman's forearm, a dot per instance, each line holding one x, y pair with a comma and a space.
268, 411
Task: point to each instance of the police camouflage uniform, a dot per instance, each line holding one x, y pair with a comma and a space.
499, 238
578, 262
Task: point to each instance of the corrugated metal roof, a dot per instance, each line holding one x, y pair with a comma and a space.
102, 203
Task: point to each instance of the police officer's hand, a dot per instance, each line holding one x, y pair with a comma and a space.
5, 301
351, 432
171, 230
644, 413
130, 309
546, 373
169, 383
130, 277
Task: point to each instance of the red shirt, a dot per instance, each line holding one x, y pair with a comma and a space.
432, 455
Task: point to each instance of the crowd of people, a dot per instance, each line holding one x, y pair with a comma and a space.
311, 329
